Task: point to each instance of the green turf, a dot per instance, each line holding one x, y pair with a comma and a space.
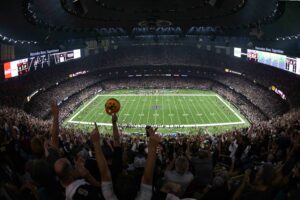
195, 110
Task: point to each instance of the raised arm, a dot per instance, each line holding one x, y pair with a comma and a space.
55, 124
116, 134
83, 172
154, 140
106, 184
245, 182
101, 161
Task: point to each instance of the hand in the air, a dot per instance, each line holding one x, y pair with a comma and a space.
95, 136
114, 118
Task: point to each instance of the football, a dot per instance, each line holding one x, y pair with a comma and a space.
112, 106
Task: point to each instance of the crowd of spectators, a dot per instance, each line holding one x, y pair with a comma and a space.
250, 110
255, 113
40, 160
15, 91
249, 97
59, 92
155, 56
255, 94
68, 107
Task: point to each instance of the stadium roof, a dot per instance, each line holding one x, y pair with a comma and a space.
66, 19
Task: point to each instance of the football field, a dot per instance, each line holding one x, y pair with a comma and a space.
167, 109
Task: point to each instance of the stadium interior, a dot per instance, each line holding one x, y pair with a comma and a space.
150, 100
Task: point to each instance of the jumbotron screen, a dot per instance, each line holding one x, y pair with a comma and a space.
39, 62
66, 56
238, 52
23, 66
276, 60
16, 68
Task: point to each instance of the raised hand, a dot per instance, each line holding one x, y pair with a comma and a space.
95, 136
116, 135
154, 138
152, 131
54, 108
114, 118
101, 161
82, 171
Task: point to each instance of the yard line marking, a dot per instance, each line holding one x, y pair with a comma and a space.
204, 109
220, 110
162, 110
157, 95
189, 107
175, 105
95, 111
212, 108
155, 114
149, 110
84, 107
142, 117
124, 106
135, 110
170, 110
171, 126
183, 110
71, 120
242, 120
197, 110
129, 109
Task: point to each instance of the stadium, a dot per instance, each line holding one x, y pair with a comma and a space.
149, 100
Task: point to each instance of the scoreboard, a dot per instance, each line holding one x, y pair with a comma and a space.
252, 55
40, 61
66, 56
16, 68
280, 61
291, 65
35, 62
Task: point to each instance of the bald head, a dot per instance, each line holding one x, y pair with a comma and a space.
63, 169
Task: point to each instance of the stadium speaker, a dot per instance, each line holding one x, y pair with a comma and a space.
80, 7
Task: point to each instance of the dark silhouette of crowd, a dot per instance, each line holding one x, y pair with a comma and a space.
248, 97
41, 160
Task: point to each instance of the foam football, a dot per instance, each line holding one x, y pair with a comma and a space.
112, 106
